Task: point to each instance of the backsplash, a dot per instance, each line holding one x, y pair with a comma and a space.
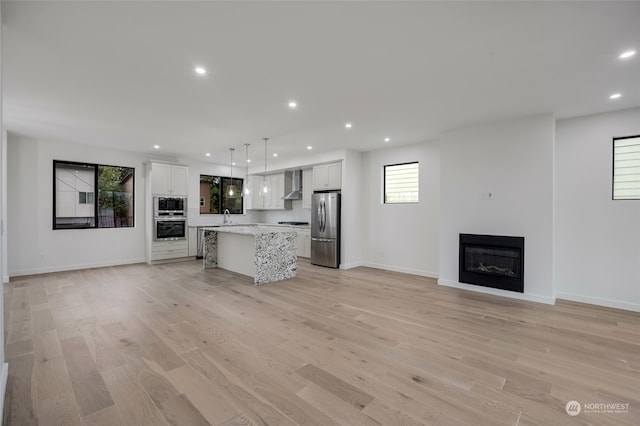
297, 214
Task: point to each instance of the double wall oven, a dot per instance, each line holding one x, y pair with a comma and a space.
169, 218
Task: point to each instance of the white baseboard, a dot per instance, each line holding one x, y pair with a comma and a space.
3, 386
34, 271
411, 271
350, 265
497, 292
617, 304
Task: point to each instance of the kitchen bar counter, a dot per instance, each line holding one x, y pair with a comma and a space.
280, 225
265, 252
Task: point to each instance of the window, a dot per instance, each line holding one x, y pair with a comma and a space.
85, 197
626, 168
74, 201
401, 183
215, 198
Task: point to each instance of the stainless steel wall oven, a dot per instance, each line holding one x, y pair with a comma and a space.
169, 229
169, 206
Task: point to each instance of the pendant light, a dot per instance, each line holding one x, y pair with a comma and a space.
265, 187
246, 188
231, 189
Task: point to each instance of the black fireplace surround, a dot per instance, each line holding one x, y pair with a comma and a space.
492, 261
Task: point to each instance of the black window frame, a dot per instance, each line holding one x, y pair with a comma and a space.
384, 183
239, 182
96, 196
613, 167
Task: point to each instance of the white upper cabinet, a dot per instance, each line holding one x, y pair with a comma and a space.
327, 177
169, 179
307, 188
273, 200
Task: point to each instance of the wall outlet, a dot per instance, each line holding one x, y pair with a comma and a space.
486, 196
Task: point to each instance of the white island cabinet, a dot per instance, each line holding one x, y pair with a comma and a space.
265, 253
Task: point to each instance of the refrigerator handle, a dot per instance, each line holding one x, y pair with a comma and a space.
319, 216
324, 216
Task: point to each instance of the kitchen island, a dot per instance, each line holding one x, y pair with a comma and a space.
266, 253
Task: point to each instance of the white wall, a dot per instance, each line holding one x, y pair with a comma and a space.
402, 237
513, 160
597, 239
3, 236
351, 211
33, 247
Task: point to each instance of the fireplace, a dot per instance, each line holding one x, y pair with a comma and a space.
492, 261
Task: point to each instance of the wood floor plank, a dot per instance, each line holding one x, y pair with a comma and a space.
338, 387
88, 384
179, 411
341, 411
59, 410
51, 378
178, 344
132, 403
16, 349
238, 421
386, 415
203, 395
254, 408
21, 400
106, 416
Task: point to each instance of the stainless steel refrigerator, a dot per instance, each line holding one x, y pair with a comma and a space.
325, 229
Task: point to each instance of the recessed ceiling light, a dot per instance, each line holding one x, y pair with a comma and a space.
156, 147
275, 154
248, 160
615, 96
292, 104
348, 125
309, 147
627, 54
208, 154
233, 163
387, 140
200, 70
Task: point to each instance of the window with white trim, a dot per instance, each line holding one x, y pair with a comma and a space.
401, 183
626, 168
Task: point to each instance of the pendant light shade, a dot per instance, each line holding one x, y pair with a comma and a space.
265, 186
231, 189
246, 188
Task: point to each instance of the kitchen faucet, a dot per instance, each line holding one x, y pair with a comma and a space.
227, 216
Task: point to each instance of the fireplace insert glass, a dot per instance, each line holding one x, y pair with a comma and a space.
492, 261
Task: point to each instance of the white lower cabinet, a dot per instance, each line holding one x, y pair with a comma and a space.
163, 250
303, 242
193, 241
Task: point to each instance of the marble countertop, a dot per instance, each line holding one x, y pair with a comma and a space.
250, 229
271, 257
217, 226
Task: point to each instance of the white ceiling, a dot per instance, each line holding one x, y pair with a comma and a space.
121, 73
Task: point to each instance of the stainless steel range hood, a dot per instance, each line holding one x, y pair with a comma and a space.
296, 194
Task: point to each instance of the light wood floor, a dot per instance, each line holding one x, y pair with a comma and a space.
176, 344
